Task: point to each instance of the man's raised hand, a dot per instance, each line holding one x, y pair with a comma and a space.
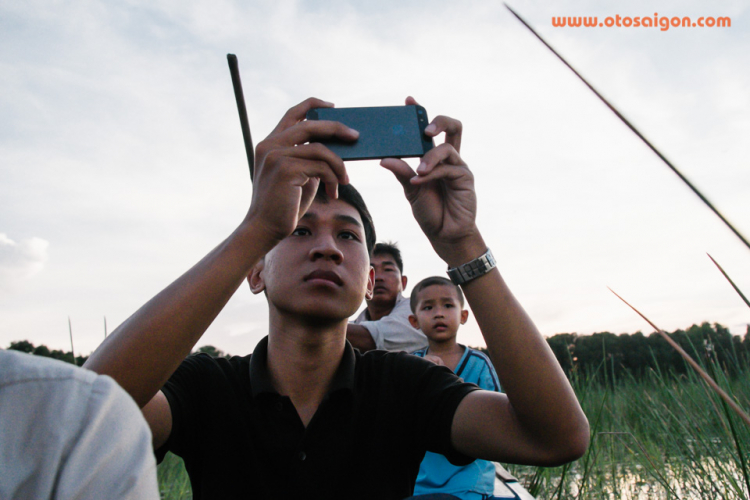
441, 193
289, 167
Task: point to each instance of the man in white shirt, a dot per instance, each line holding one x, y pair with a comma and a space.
384, 323
68, 433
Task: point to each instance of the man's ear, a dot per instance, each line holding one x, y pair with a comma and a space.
403, 283
413, 321
464, 316
255, 280
370, 284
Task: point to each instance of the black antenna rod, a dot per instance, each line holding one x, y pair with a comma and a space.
626, 122
242, 110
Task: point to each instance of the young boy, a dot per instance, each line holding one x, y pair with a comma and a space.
437, 307
306, 415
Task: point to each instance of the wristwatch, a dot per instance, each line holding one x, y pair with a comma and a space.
474, 269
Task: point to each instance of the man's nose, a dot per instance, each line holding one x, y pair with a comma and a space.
325, 248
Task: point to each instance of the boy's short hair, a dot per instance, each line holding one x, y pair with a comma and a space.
390, 248
431, 281
348, 194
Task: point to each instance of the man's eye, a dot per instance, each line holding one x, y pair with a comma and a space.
426, 308
349, 235
448, 305
301, 231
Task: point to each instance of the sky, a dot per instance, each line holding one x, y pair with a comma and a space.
122, 162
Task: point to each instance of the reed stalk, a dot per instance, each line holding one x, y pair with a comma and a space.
739, 411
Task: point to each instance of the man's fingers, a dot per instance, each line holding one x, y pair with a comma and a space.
309, 190
400, 169
312, 130
445, 153
315, 160
298, 112
306, 174
443, 171
452, 128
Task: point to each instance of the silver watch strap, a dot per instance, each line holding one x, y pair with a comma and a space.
477, 267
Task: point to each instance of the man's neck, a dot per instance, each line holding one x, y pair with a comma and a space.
376, 310
302, 360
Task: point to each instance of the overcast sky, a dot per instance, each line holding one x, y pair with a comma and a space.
122, 163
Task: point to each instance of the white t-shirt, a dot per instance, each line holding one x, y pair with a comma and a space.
68, 433
394, 332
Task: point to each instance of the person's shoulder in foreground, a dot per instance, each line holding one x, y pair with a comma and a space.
68, 433
309, 254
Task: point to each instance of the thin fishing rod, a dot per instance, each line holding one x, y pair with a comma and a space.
234, 70
626, 122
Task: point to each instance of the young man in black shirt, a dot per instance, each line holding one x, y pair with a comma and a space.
306, 415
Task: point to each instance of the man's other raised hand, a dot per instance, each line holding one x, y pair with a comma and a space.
441, 193
289, 167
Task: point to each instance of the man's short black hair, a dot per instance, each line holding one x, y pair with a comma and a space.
431, 281
390, 248
348, 194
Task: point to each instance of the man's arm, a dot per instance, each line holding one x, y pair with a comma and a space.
360, 337
394, 332
147, 348
538, 420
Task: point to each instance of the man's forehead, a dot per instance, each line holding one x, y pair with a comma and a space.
383, 258
333, 209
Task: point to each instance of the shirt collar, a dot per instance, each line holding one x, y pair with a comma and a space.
260, 379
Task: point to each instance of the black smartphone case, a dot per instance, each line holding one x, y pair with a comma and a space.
384, 132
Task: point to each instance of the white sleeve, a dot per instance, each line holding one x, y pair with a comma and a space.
113, 456
394, 332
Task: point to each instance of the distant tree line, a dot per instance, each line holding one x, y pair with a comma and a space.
607, 357
43, 350
603, 357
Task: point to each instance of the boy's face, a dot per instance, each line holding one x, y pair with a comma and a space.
438, 313
321, 270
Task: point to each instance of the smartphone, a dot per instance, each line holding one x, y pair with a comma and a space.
384, 132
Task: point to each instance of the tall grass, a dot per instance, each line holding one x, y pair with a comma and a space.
663, 437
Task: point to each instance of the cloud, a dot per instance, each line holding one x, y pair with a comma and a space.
19, 261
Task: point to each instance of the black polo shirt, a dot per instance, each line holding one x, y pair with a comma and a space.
241, 439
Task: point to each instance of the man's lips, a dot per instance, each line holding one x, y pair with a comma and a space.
325, 276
